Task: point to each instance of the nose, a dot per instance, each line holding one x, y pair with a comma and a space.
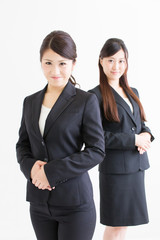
115, 65
55, 70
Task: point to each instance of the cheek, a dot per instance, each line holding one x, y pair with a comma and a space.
67, 72
106, 70
123, 69
44, 69
45, 72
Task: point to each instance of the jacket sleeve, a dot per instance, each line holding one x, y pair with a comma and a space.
144, 127
60, 170
123, 141
23, 149
119, 141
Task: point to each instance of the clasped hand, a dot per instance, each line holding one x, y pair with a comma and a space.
143, 142
38, 176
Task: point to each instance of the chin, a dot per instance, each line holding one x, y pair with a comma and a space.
57, 84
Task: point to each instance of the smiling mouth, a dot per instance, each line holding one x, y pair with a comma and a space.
56, 78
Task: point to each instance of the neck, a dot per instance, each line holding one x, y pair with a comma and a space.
55, 89
114, 84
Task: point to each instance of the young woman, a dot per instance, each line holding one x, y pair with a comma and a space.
56, 123
122, 193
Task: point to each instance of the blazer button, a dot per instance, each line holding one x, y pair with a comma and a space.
45, 159
43, 143
133, 129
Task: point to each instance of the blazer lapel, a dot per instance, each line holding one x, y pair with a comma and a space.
36, 110
135, 106
122, 102
61, 104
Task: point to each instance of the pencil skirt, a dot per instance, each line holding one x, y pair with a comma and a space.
60, 223
123, 199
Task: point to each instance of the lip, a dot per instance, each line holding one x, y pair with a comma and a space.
55, 78
115, 73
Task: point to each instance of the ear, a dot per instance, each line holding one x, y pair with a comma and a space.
73, 65
101, 61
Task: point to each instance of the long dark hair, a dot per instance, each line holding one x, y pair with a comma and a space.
111, 47
61, 43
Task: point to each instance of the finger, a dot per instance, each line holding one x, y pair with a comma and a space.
34, 180
49, 188
146, 147
148, 143
37, 183
41, 163
40, 186
142, 151
46, 187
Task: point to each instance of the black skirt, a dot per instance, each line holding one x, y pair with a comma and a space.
123, 199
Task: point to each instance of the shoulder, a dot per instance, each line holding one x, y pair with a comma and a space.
135, 91
84, 96
86, 100
35, 95
97, 92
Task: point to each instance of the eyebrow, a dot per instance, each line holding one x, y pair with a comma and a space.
46, 59
114, 58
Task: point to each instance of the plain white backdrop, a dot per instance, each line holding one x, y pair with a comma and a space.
23, 25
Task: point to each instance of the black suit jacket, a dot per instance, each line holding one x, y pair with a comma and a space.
73, 121
122, 155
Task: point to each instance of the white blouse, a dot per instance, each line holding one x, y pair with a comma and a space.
129, 103
42, 119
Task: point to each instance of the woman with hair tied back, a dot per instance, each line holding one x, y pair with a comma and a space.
127, 139
56, 124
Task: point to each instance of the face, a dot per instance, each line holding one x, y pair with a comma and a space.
56, 68
114, 66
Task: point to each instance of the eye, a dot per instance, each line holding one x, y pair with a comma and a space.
110, 60
62, 64
122, 61
48, 63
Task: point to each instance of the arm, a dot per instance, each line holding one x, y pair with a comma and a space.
23, 149
28, 164
60, 170
144, 129
119, 141
129, 141
143, 141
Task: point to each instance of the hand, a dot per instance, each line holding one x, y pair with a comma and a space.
143, 142
40, 180
36, 167
147, 135
141, 151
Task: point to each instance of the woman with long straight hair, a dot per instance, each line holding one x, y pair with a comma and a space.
127, 139
56, 124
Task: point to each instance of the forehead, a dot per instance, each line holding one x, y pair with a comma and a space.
49, 54
119, 55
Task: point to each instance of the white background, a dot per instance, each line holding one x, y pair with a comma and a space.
23, 25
